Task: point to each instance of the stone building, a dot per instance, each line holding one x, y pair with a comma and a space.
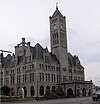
35, 69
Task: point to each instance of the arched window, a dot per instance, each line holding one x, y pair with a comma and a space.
69, 92
32, 90
48, 88
25, 91
53, 88
84, 92
41, 90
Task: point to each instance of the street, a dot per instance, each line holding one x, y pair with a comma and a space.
85, 100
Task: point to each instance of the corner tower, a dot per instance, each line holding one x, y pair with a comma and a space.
58, 38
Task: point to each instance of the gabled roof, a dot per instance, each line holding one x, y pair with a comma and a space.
7, 60
73, 59
54, 58
70, 59
56, 13
38, 52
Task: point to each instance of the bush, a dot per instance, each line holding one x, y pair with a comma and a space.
9, 97
59, 91
56, 94
5, 90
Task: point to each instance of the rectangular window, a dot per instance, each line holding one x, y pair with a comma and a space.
25, 68
52, 77
32, 66
46, 77
32, 77
12, 80
57, 78
25, 77
47, 59
64, 69
75, 71
7, 72
46, 67
64, 78
19, 79
18, 70
40, 76
40, 66
12, 71
54, 68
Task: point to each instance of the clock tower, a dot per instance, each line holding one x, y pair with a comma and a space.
58, 39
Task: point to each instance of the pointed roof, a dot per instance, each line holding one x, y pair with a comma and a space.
57, 12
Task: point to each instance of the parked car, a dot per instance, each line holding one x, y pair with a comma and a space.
96, 95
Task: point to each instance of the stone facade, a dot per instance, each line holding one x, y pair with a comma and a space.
35, 69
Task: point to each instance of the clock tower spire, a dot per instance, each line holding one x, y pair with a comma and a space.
56, 5
58, 38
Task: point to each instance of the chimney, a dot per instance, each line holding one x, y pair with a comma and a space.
28, 43
23, 41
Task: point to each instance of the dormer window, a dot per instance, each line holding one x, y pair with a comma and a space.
46, 59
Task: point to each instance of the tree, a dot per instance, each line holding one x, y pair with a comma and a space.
60, 92
5, 90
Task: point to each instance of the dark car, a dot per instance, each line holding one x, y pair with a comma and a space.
96, 95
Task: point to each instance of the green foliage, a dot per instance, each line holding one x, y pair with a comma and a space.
57, 93
48, 93
9, 97
5, 90
60, 92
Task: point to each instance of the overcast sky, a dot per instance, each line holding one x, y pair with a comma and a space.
30, 19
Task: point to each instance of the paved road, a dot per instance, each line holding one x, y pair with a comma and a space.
85, 100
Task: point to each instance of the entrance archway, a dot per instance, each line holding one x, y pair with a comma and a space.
25, 91
70, 92
32, 90
48, 88
41, 90
53, 88
84, 92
